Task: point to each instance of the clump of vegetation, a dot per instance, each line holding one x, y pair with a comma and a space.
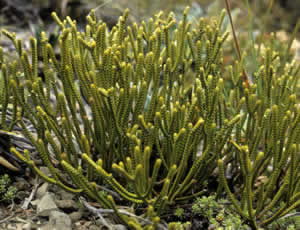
143, 110
179, 212
290, 221
179, 226
218, 213
7, 191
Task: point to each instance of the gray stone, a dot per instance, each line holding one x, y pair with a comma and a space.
27, 226
21, 184
45, 171
45, 227
42, 190
11, 227
106, 223
94, 227
67, 204
119, 227
80, 227
75, 216
35, 202
46, 205
64, 195
59, 220
87, 224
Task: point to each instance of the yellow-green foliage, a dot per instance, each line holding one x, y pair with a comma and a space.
127, 116
7, 191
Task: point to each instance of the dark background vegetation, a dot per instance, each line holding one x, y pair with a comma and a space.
21, 13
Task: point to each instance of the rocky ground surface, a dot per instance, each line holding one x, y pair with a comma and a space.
46, 207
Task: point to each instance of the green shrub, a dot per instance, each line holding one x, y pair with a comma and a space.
179, 226
179, 212
7, 191
143, 111
218, 213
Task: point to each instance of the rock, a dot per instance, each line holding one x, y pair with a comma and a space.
88, 225
45, 171
119, 227
46, 205
107, 223
94, 227
21, 184
26, 226
42, 190
58, 221
11, 227
35, 202
75, 216
70, 205
80, 227
64, 195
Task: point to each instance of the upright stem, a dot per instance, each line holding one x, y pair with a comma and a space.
236, 42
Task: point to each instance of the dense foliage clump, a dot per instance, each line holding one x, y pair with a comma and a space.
144, 111
7, 191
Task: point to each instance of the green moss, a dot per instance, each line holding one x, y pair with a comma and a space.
179, 212
179, 226
7, 191
218, 213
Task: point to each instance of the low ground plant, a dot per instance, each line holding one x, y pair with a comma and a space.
143, 110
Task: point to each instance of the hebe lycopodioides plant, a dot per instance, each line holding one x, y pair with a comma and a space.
116, 110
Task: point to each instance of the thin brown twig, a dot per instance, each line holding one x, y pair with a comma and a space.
236, 42
101, 211
8, 217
